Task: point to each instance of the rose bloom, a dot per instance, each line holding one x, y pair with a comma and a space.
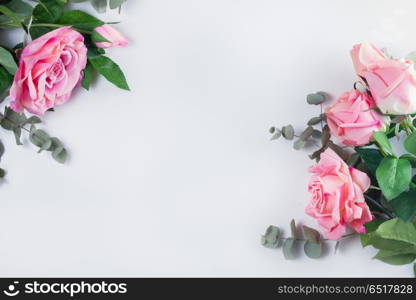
392, 82
352, 120
365, 54
338, 196
49, 69
114, 38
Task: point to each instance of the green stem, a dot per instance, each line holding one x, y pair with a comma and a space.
379, 206
47, 25
304, 240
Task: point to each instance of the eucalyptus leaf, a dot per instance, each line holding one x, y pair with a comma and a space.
313, 250
306, 133
289, 248
276, 135
315, 99
288, 132
271, 238
314, 121
299, 144
311, 234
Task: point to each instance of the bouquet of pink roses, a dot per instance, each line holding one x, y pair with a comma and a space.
62, 50
360, 181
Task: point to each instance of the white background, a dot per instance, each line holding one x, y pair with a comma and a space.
178, 177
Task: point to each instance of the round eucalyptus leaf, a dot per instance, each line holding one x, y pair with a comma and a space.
276, 135
288, 132
299, 144
271, 238
313, 250
315, 99
289, 248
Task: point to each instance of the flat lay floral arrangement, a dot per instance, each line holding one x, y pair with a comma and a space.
362, 182
62, 49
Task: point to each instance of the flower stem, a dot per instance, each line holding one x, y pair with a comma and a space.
379, 206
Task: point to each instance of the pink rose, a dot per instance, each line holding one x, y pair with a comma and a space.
393, 86
338, 196
114, 38
49, 69
352, 120
392, 82
365, 54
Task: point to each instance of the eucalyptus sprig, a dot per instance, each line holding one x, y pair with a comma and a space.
311, 239
18, 122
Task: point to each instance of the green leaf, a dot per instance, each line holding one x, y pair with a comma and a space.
411, 158
60, 155
315, 99
288, 132
394, 258
306, 133
88, 73
293, 230
2, 173
116, 3
39, 138
393, 176
399, 230
383, 142
98, 38
80, 20
7, 61
48, 11
277, 133
12, 119
313, 250
99, 5
370, 227
410, 143
389, 244
20, 8
36, 32
299, 144
271, 238
110, 70
404, 206
10, 14
6, 80
314, 120
311, 234
289, 248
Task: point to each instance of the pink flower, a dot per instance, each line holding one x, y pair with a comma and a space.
114, 38
49, 69
338, 196
393, 86
352, 120
365, 54
392, 82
